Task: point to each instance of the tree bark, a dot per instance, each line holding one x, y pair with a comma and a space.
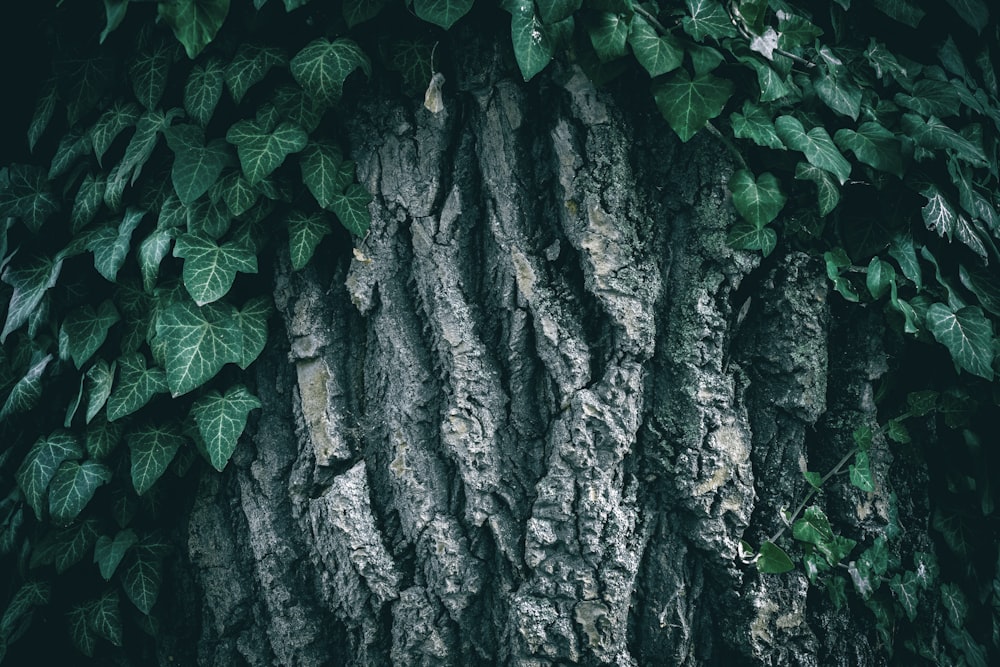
529, 422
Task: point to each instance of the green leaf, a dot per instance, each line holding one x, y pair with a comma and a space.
208, 218
196, 166
27, 196
827, 190
708, 19
688, 103
931, 98
252, 321
74, 145
861, 472
249, 66
884, 62
954, 603
745, 236
84, 331
108, 552
198, 342
221, 420
152, 250
755, 124
138, 152
27, 391
102, 438
904, 252
795, 31
608, 34
907, 592
237, 193
305, 231
758, 200
773, 560
443, 13
879, 278
106, 619
44, 109
83, 636
30, 284
351, 208
873, 145
297, 107
359, 11
962, 640
704, 59
533, 45
939, 216
89, 198
262, 150
967, 334
920, 403
322, 66
973, 12
152, 448
112, 123
203, 90
658, 55
194, 22
88, 80
815, 144
110, 245
141, 580
553, 11
31, 594
66, 546
149, 76
898, 432
136, 386
814, 479
320, 163
99, 380
839, 93
41, 463
210, 269
901, 10
932, 133
114, 11
73, 486
983, 285
773, 86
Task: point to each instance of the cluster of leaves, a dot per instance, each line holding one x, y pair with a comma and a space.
127, 250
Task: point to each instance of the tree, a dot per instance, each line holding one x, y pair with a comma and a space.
582, 375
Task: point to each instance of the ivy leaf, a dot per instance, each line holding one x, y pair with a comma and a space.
73, 486
939, 216
954, 603
773, 560
112, 123
795, 31
973, 12
359, 11
907, 591
106, 618
758, 200
203, 90
533, 46
149, 76
65, 547
873, 145
608, 34
152, 250
708, 19
412, 59
553, 11
208, 218
320, 163
773, 86
87, 202
26, 195
883, 62
658, 55
30, 284
879, 278
99, 380
138, 152
443, 13
44, 109
932, 133
152, 448
20, 608
305, 231
210, 269
74, 145
931, 98
983, 286
827, 190
108, 552
41, 463
221, 420
196, 166
839, 93
322, 66
236, 192
688, 103
905, 253
114, 11
141, 580
745, 236
26, 392
252, 322
103, 438
198, 342
110, 245
83, 636
816, 144
194, 22
861, 472
967, 334
351, 208
897, 432
755, 124
294, 105
136, 385
84, 331
250, 65
901, 10
261, 150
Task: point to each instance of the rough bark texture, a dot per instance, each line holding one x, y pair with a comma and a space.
529, 423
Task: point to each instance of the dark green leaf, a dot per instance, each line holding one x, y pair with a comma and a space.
884, 62
297, 107
112, 123
553, 11
221, 420
907, 592
608, 34
973, 12
262, 150
873, 145
898, 432
141, 580
89, 198
102, 438
351, 208
152, 448
114, 11
688, 103
250, 65
106, 619
194, 22
100, 378
203, 90
84, 331
879, 278
41, 463
708, 18
533, 46
252, 321
795, 31
152, 250
861, 472
755, 124
773, 560
108, 552
932, 133
967, 334
43, 113
758, 200
83, 636
827, 190
773, 86
904, 252
110, 245
814, 478
210, 269
983, 285
322, 66
657, 54
149, 76
939, 216
931, 98
901, 10
136, 385
27, 196
198, 342
839, 93
73, 486
30, 284
359, 11
138, 152
443, 13
305, 231
816, 144
196, 166
319, 163
31, 594
74, 145
954, 603
745, 236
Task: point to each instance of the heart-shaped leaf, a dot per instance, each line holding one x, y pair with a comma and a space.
74, 145
262, 150
305, 231
250, 65
688, 103
351, 208
149, 75
30, 284
141, 580
608, 33
84, 330
252, 321
198, 342
320, 163
873, 145
322, 66
108, 552
553, 11
745, 236
105, 617
221, 420
111, 244
194, 22
136, 385
87, 202
931, 98
773, 560
708, 18
27, 391
210, 269
816, 144
758, 200
100, 378
26, 195
203, 90
658, 55
102, 438
73, 486
40, 465
152, 250
359, 11
443, 13
941, 217
827, 190
533, 46
838, 91
967, 334
112, 123
152, 448
755, 124
196, 166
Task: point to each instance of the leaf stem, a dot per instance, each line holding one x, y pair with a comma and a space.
812, 491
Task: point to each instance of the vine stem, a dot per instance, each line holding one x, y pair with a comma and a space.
653, 21
812, 492
714, 131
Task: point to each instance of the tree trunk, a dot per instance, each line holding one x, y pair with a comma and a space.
531, 420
